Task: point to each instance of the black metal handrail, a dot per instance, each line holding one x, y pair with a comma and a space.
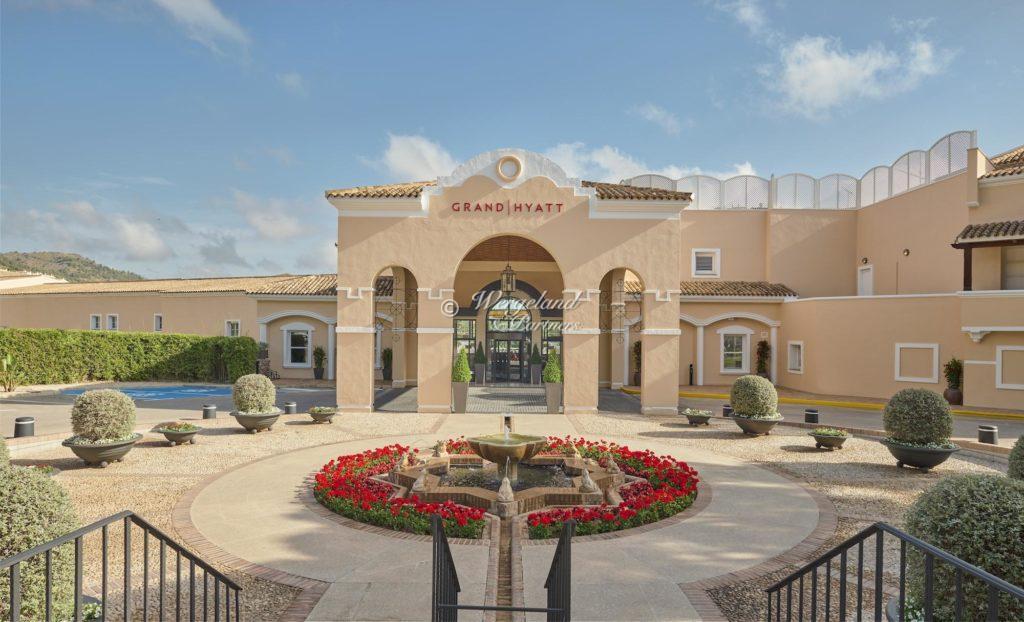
804, 599
229, 607
445, 587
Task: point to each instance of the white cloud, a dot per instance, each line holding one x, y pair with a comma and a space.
816, 75
221, 250
292, 82
609, 164
271, 218
659, 116
204, 23
321, 257
140, 240
414, 158
81, 211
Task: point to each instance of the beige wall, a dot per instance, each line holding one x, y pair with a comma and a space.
740, 234
812, 251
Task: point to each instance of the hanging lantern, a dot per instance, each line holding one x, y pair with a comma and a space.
508, 281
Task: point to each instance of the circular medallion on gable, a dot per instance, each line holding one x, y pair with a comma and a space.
509, 167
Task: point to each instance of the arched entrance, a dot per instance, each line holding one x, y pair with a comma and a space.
509, 341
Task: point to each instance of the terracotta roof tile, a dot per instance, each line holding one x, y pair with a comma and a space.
1008, 163
412, 190
983, 232
725, 288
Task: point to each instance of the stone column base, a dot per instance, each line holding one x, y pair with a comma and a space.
659, 410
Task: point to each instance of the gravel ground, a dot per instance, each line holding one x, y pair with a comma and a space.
861, 480
154, 476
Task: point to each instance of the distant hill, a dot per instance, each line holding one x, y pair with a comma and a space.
69, 266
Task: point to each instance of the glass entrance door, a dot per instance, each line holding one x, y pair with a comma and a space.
508, 357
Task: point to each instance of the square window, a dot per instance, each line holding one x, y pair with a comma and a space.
796, 357
95, 322
735, 350
298, 347
705, 262
232, 328
112, 322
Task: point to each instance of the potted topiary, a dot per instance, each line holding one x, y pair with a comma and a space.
323, 414
536, 365
829, 438
480, 364
1016, 469
102, 422
460, 381
552, 376
35, 510
764, 353
980, 519
319, 357
179, 432
637, 360
953, 370
696, 416
385, 358
254, 396
755, 405
918, 424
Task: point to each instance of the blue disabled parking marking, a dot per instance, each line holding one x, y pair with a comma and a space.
165, 393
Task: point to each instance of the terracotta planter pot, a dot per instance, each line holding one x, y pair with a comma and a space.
825, 441
924, 458
102, 455
954, 396
699, 419
257, 422
553, 395
755, 427
323, 417
460, 394
176, 437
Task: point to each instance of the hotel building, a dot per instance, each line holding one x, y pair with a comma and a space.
857, 286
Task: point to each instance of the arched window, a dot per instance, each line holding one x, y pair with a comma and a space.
508, 315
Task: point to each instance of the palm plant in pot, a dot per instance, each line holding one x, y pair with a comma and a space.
319, 357
254, 396
764, 355
536, 365
953, 370
755, 405
460, 381
103, 422
553, 382
918, 423
386, 357
480, 364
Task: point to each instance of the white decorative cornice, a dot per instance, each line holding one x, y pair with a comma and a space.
580, 295
977, 333
355, 330
440, 292
355, 293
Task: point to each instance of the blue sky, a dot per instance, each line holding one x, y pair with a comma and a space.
196, 137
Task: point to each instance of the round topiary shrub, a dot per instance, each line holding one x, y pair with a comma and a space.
254, 393
1016, 469
980, 519
103, 415
918, 417
754, 397
35, 510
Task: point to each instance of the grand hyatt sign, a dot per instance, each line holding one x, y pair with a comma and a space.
508, 208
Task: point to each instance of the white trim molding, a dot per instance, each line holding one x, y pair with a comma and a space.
266, 319
432, 330
732, 315
977, 333
669, 332
934, 347
1016, 386
581, 331
716, 269
355, 330
744, 332
789, 357
297, 327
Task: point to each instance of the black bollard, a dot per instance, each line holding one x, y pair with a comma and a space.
988, 434
810, 415
726, 410
209, 411
24, 426
290, 408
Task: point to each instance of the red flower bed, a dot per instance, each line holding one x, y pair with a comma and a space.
670, 488
345, 485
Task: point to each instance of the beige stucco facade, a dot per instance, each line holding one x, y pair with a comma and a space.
855, 302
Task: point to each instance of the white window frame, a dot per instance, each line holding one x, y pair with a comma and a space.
227, 328
934, 347
870, 269
95, 321
999, 369
296, 327
716, 271
158, 327
789, 357
117, 321
744, 332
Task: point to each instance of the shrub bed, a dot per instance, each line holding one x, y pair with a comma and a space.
346, 486
52, 356
670, 488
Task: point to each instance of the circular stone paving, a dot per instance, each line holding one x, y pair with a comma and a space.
261, 514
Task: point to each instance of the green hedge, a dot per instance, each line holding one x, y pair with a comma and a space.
52, 356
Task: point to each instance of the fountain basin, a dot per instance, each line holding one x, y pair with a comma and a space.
507, 450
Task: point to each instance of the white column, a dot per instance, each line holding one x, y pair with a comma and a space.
700, 356
775, 353
331, 338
